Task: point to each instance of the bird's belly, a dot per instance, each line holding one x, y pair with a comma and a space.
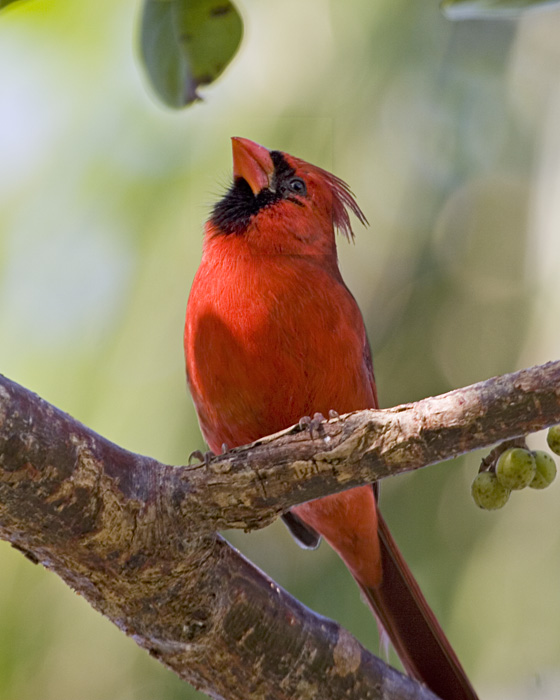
247, 385
261, 356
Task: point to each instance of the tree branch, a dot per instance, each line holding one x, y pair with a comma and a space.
249, 486
137, 538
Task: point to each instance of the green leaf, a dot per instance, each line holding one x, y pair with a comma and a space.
187, 43
486, 9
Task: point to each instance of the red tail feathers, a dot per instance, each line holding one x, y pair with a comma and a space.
412, 627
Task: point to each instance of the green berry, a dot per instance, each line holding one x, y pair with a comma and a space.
488, 493
546, 470
553, 439
516, 468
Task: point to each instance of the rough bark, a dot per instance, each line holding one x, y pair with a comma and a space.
249, 486
138, 538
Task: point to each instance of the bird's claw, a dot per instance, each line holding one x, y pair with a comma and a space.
202, 457
304, 422
311, 424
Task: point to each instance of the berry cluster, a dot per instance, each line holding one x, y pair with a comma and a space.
510, 468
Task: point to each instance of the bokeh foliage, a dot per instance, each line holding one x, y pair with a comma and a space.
485, 9
447, 133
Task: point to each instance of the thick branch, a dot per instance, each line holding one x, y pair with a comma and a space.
138, 540
248, 487
103, 520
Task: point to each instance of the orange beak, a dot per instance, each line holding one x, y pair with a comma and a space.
253, 163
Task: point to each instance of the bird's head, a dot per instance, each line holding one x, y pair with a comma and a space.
283, 205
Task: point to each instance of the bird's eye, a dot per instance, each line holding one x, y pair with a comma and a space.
297, 186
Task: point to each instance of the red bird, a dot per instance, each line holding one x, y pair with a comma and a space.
272, 334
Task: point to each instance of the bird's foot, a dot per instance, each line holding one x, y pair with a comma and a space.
313, 424
202, 457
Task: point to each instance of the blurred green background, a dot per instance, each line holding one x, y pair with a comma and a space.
449, 136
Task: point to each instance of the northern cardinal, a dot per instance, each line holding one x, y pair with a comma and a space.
273, 334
